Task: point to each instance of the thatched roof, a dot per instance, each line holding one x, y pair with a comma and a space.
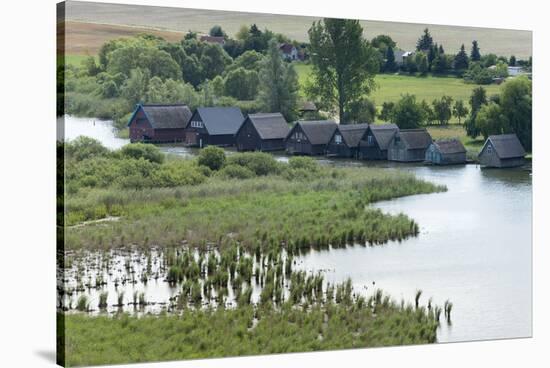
352, 133
506, 146
308, 106
318, 131
415, 138
221, 120
270, 126
383, 133
449, 146
166, 116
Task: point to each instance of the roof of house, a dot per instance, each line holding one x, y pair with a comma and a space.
221, 120
383, 133
318, 131
286, 48
506, 145
270, 126
352, 133
213, 39
165, 116
308, 106
449, 146
415, 138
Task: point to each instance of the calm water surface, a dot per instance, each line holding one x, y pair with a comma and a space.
474, 247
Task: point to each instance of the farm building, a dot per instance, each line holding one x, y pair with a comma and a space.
503, 150
213, 39
262, 132
214, 126
345, 140
374, 143
310, 137
158, 123
446, 152
409, 145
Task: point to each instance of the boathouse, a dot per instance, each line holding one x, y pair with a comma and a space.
376, 140
310, 137
409, 145
345, 140
214, 126
262, 132
503, 150
446, 152
158, 123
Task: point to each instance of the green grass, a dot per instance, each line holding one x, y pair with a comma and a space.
392, 86
76, 60
221, 333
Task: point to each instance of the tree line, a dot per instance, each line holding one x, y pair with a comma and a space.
149, 69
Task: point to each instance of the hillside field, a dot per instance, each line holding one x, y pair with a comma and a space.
504, 42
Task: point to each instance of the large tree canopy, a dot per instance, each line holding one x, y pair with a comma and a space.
344, 64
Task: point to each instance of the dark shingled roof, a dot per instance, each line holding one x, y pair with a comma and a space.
286, 48
415, 138
167, 116
221, 120
270, 126
506, 146
449, 146
352, 133
318, 131
383, 133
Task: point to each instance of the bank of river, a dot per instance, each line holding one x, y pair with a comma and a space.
474, 246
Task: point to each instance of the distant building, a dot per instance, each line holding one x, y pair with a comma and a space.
401, 56
289, 51
310, 137
409, 145
376, 140
262, 132
213, 39
214, 126
446, 152
158, 123
345, 140
308, 106
503, 150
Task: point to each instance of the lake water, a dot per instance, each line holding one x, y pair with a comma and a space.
474, 247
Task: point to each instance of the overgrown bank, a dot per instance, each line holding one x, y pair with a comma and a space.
249, 198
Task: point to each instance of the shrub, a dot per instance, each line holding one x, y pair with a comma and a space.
258, 162
83, 147
233, 171
212, 157
142, 150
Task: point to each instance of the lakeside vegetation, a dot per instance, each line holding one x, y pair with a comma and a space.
247, 197
245, 331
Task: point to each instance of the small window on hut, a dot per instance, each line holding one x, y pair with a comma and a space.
489, 148
338, 138
370, 140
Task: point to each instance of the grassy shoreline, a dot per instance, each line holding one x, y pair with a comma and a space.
195, 334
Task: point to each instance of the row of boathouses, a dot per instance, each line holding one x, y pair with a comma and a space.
227, 126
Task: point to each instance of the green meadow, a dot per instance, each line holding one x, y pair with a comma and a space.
392, 86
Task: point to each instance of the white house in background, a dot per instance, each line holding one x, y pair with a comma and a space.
289, 51
401, 56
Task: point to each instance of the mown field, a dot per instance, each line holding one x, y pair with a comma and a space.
392, 86
500, 41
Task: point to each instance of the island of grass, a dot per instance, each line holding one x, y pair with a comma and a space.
226, 224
